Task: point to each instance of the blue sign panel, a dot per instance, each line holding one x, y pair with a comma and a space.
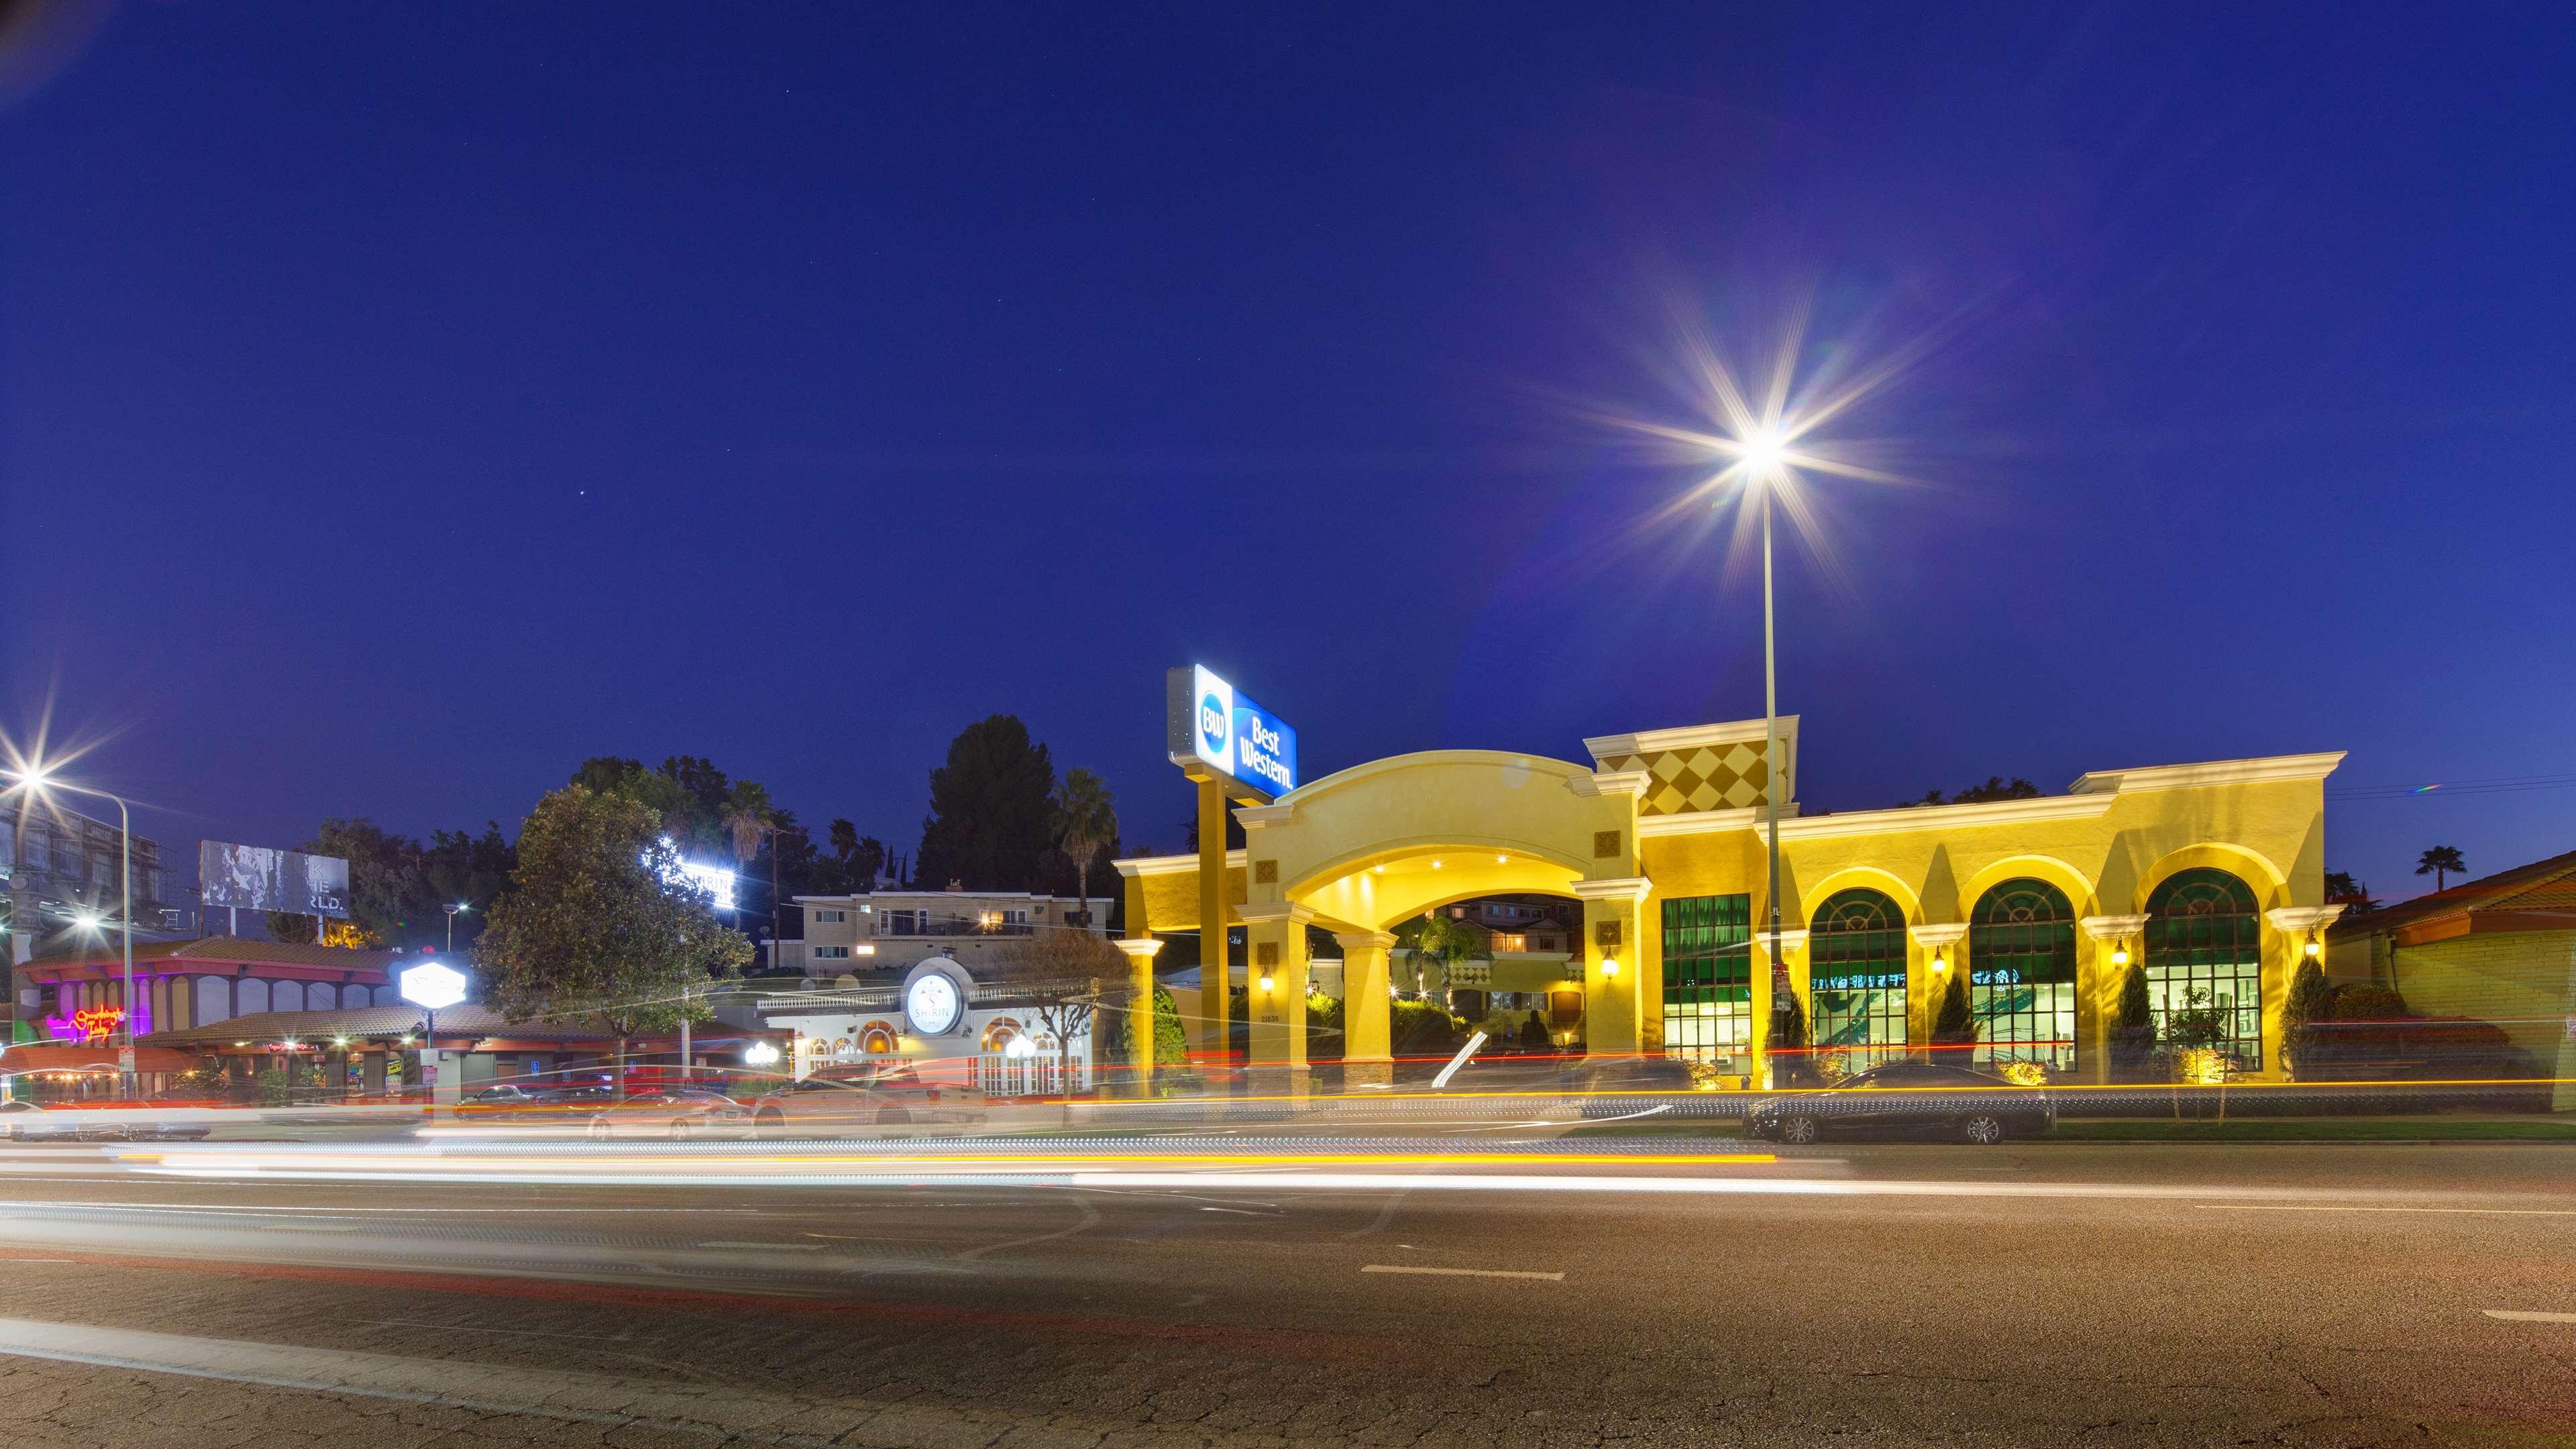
1221, 726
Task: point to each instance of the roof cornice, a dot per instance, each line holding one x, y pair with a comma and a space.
2257, 771
1686, 737
1173, 864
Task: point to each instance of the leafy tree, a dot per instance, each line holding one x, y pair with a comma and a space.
2311, 1000
1086, 818
2133, 1025
1171, 1041
990, 815
2353, 895
1995, 788
2439, 862
1953, 1024
1438, 936
2199, 1023
1060, 974
468, 870
601, 922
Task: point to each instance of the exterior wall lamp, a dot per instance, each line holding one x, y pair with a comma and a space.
2119, 955
1941, 963
1269, 982
1609, 968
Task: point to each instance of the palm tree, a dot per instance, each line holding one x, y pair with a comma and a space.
2439, 862
1447, 941
748, 816
1086, 818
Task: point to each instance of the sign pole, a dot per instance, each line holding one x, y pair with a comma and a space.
1216, 973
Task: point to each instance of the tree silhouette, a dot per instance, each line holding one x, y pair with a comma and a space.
2439, 862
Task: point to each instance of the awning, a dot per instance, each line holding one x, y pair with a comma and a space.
59, 1058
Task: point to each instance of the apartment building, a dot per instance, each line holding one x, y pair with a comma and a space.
888, 931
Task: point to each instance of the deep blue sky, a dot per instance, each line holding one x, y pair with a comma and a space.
403, 403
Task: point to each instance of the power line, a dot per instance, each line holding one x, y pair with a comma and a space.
2494, 786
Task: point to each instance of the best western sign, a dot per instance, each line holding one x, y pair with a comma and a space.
1212, 721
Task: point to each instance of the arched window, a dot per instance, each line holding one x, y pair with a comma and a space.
876, 1038
2205, 965
2021, 975
1000, 1033
1856, 978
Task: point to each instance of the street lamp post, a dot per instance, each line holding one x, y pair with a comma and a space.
35, 782
1772, 777
453, 911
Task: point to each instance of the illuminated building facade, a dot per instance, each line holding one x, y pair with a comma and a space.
2208, 876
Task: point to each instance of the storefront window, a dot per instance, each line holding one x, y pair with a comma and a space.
2205, 960
1856, 981
2021, 983
1708, 980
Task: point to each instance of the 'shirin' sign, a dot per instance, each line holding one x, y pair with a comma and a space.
1210, 719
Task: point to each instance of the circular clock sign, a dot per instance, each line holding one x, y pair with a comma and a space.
932, 1004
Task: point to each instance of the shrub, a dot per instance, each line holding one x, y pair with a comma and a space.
1421, 1029
1534, 1035
1952, 1025
275, 1089
2311, 1000
2133, 1029
2360, 1001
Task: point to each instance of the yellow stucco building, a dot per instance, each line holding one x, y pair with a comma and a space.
2209, 875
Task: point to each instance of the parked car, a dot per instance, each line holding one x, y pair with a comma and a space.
1907, 1099
835, 1103
674, 1116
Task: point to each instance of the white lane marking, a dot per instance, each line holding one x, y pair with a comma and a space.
780, 1247
1463, 1272
2512, 1315
1246, 1212
2301, 1207
694, 1409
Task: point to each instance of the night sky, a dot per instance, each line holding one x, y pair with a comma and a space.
403, 403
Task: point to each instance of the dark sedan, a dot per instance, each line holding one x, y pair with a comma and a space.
1907, 1099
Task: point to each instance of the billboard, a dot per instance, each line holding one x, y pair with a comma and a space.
255, 878
1211, 720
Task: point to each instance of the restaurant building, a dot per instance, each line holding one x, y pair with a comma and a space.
2208, 875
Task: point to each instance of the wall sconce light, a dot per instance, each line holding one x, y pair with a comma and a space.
2315, 949
1609, 968
2119, 955
1269, 982
1940, 963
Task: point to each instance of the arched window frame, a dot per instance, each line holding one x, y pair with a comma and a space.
2205, 932
1856, 978
2022, 975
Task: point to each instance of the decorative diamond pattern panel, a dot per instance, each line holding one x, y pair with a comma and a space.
1708, 777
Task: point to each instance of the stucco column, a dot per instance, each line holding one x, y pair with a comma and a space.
2099, 975
1611, 1018
1276, 933
1140, 1013
1366, 1030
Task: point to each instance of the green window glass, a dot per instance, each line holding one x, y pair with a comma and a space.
1708, 980
2021, 975
2205, 959
1856, 980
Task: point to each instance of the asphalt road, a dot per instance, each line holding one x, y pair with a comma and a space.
2042, 1295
